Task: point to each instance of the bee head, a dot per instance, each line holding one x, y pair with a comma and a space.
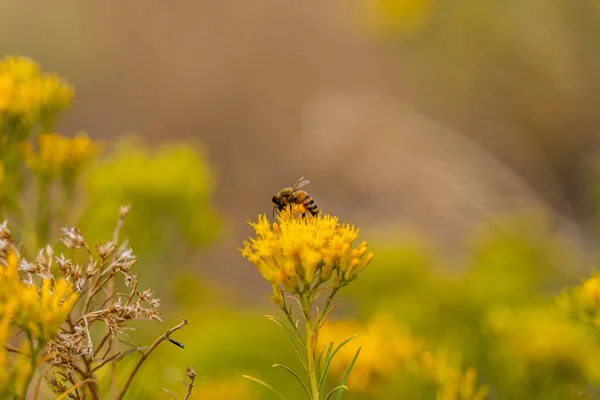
276, 200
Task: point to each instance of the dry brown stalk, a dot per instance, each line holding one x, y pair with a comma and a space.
147, 353
74, 355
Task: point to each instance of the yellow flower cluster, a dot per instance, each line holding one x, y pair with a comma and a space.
591, 288
297, 252
39, 312
387, 349
27, 95
395, 16
452, 383
57, 152
583, 301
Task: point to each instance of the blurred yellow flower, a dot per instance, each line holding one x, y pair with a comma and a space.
297, 252
385, 348
28, 96
58, 153
544, 336
583, 301
389, 349
395, 16
38, 311
451, 382
7, 83
22, 68
591, 288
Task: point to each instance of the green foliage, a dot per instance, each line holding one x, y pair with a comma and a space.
515, 263
41, 192
171, 191
497, 321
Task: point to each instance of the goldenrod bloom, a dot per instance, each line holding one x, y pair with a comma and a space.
38, 312
591, 288
544, 336
297, 252
385, 348
28, 96
395, 16
57, 153
389, 349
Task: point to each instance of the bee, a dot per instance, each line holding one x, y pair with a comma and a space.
294, 195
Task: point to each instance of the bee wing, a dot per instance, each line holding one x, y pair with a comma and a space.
299, 184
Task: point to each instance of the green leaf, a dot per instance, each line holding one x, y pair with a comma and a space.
265, 384
295, 376
297, 346
294, 335
335, 389
320, 361
328, 360
325, 365
347, 374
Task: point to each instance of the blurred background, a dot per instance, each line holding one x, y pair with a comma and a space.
458, 136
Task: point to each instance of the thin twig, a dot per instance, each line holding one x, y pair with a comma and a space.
116, 357
171, 393
14, 350
39, 384
90, 291
147, 353
102, 342
334, 291
111, 290
324, 317
191, 373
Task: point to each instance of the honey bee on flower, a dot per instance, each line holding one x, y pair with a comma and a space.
294, 195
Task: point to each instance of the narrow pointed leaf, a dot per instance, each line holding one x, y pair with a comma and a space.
72, 388
325, 366
291, 371
329, 359
283, 326
335, 389
320, 361
265, 384
298, 347
347, 374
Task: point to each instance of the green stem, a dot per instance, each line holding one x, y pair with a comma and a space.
34, 356
311, 346
43, 212
327, 304
69, 179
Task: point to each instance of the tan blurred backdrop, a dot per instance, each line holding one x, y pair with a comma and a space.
485, 107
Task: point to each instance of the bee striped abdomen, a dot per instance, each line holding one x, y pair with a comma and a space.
310, 205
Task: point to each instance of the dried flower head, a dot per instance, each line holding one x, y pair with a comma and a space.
63, 305
41, 309
73, 238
